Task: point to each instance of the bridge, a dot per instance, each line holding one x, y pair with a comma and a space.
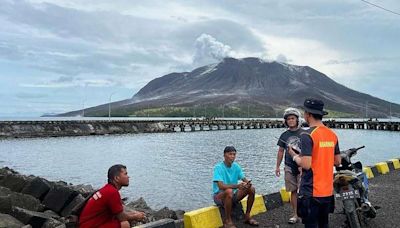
57, 128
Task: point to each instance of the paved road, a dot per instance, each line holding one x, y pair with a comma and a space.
384, 192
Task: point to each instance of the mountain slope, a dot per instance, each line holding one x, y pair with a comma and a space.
268, 87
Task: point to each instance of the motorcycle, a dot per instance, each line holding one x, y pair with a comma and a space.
351, 187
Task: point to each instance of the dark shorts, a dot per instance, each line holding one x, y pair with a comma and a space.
219, 202
314, 211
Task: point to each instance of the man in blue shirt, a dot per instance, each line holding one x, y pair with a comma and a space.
227, 189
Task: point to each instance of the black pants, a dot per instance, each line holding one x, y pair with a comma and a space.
314, 211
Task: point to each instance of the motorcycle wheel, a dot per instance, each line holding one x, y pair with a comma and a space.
352, 213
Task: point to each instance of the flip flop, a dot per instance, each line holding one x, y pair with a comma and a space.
229, 225
293, 220
251, 222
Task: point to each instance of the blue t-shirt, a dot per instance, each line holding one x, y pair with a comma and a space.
228, 175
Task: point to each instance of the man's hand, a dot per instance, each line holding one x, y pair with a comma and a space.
138, 215
242, 186
291, 151
278, 171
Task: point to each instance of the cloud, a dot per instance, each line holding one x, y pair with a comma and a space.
25, 95
116, 45
363, 60
282, 58
209, 50
68, 82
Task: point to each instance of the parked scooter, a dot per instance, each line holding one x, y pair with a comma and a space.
351, 187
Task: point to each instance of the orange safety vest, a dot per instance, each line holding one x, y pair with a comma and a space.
322, 160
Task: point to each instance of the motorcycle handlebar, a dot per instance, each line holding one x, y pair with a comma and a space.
356, 149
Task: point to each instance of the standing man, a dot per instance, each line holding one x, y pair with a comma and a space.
228, 191
104, 209
319, 153
291, 137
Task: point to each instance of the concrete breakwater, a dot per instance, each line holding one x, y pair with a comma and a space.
29, 201
28, 129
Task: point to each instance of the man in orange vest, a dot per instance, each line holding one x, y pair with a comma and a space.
319, 153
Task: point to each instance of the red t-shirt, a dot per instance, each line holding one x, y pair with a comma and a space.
101, 209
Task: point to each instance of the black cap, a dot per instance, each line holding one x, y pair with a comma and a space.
314, 106
229, 149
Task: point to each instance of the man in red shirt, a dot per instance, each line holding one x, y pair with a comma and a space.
104, 209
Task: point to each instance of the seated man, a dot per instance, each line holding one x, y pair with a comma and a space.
227, 190
104, 208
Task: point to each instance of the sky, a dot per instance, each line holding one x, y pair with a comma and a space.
63, 55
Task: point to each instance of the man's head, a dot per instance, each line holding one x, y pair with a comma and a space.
292, 118
118, 175
229, 154
313, 110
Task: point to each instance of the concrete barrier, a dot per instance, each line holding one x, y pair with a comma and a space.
203, 217
258, 206
396, 163
367, 170
382, 167
211, 217
163, 223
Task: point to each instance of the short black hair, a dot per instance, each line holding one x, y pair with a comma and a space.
114, 171
316, 116
229, 149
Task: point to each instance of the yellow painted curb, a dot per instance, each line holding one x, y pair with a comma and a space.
203, 217
258, 206
396, 163
368, 172
382, 167
285, 195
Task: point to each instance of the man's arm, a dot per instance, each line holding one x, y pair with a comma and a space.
131, 215
279, 159
224, 187
338, 158
304, 159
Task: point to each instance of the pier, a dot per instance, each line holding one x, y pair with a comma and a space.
58, 128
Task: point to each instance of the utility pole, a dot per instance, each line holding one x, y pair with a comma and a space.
223, 111
366, 109
83, 109
109, 106
248, 111
390, 110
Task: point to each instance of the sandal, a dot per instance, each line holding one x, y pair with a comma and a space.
230, 225
251, 222
293, 220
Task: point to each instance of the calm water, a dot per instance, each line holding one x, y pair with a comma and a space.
174, 169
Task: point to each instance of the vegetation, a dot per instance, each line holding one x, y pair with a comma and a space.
251, 111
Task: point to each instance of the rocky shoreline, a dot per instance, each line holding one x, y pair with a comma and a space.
31, 201
33, 129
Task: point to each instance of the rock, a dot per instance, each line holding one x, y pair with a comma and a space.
139, 205
165, 213
5, 205
9, 221
21, 200
35, 219
52, 214
68, 209
180, 214
6, 170
52, 223
84, 190
58, 197
37, 188
15, 182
